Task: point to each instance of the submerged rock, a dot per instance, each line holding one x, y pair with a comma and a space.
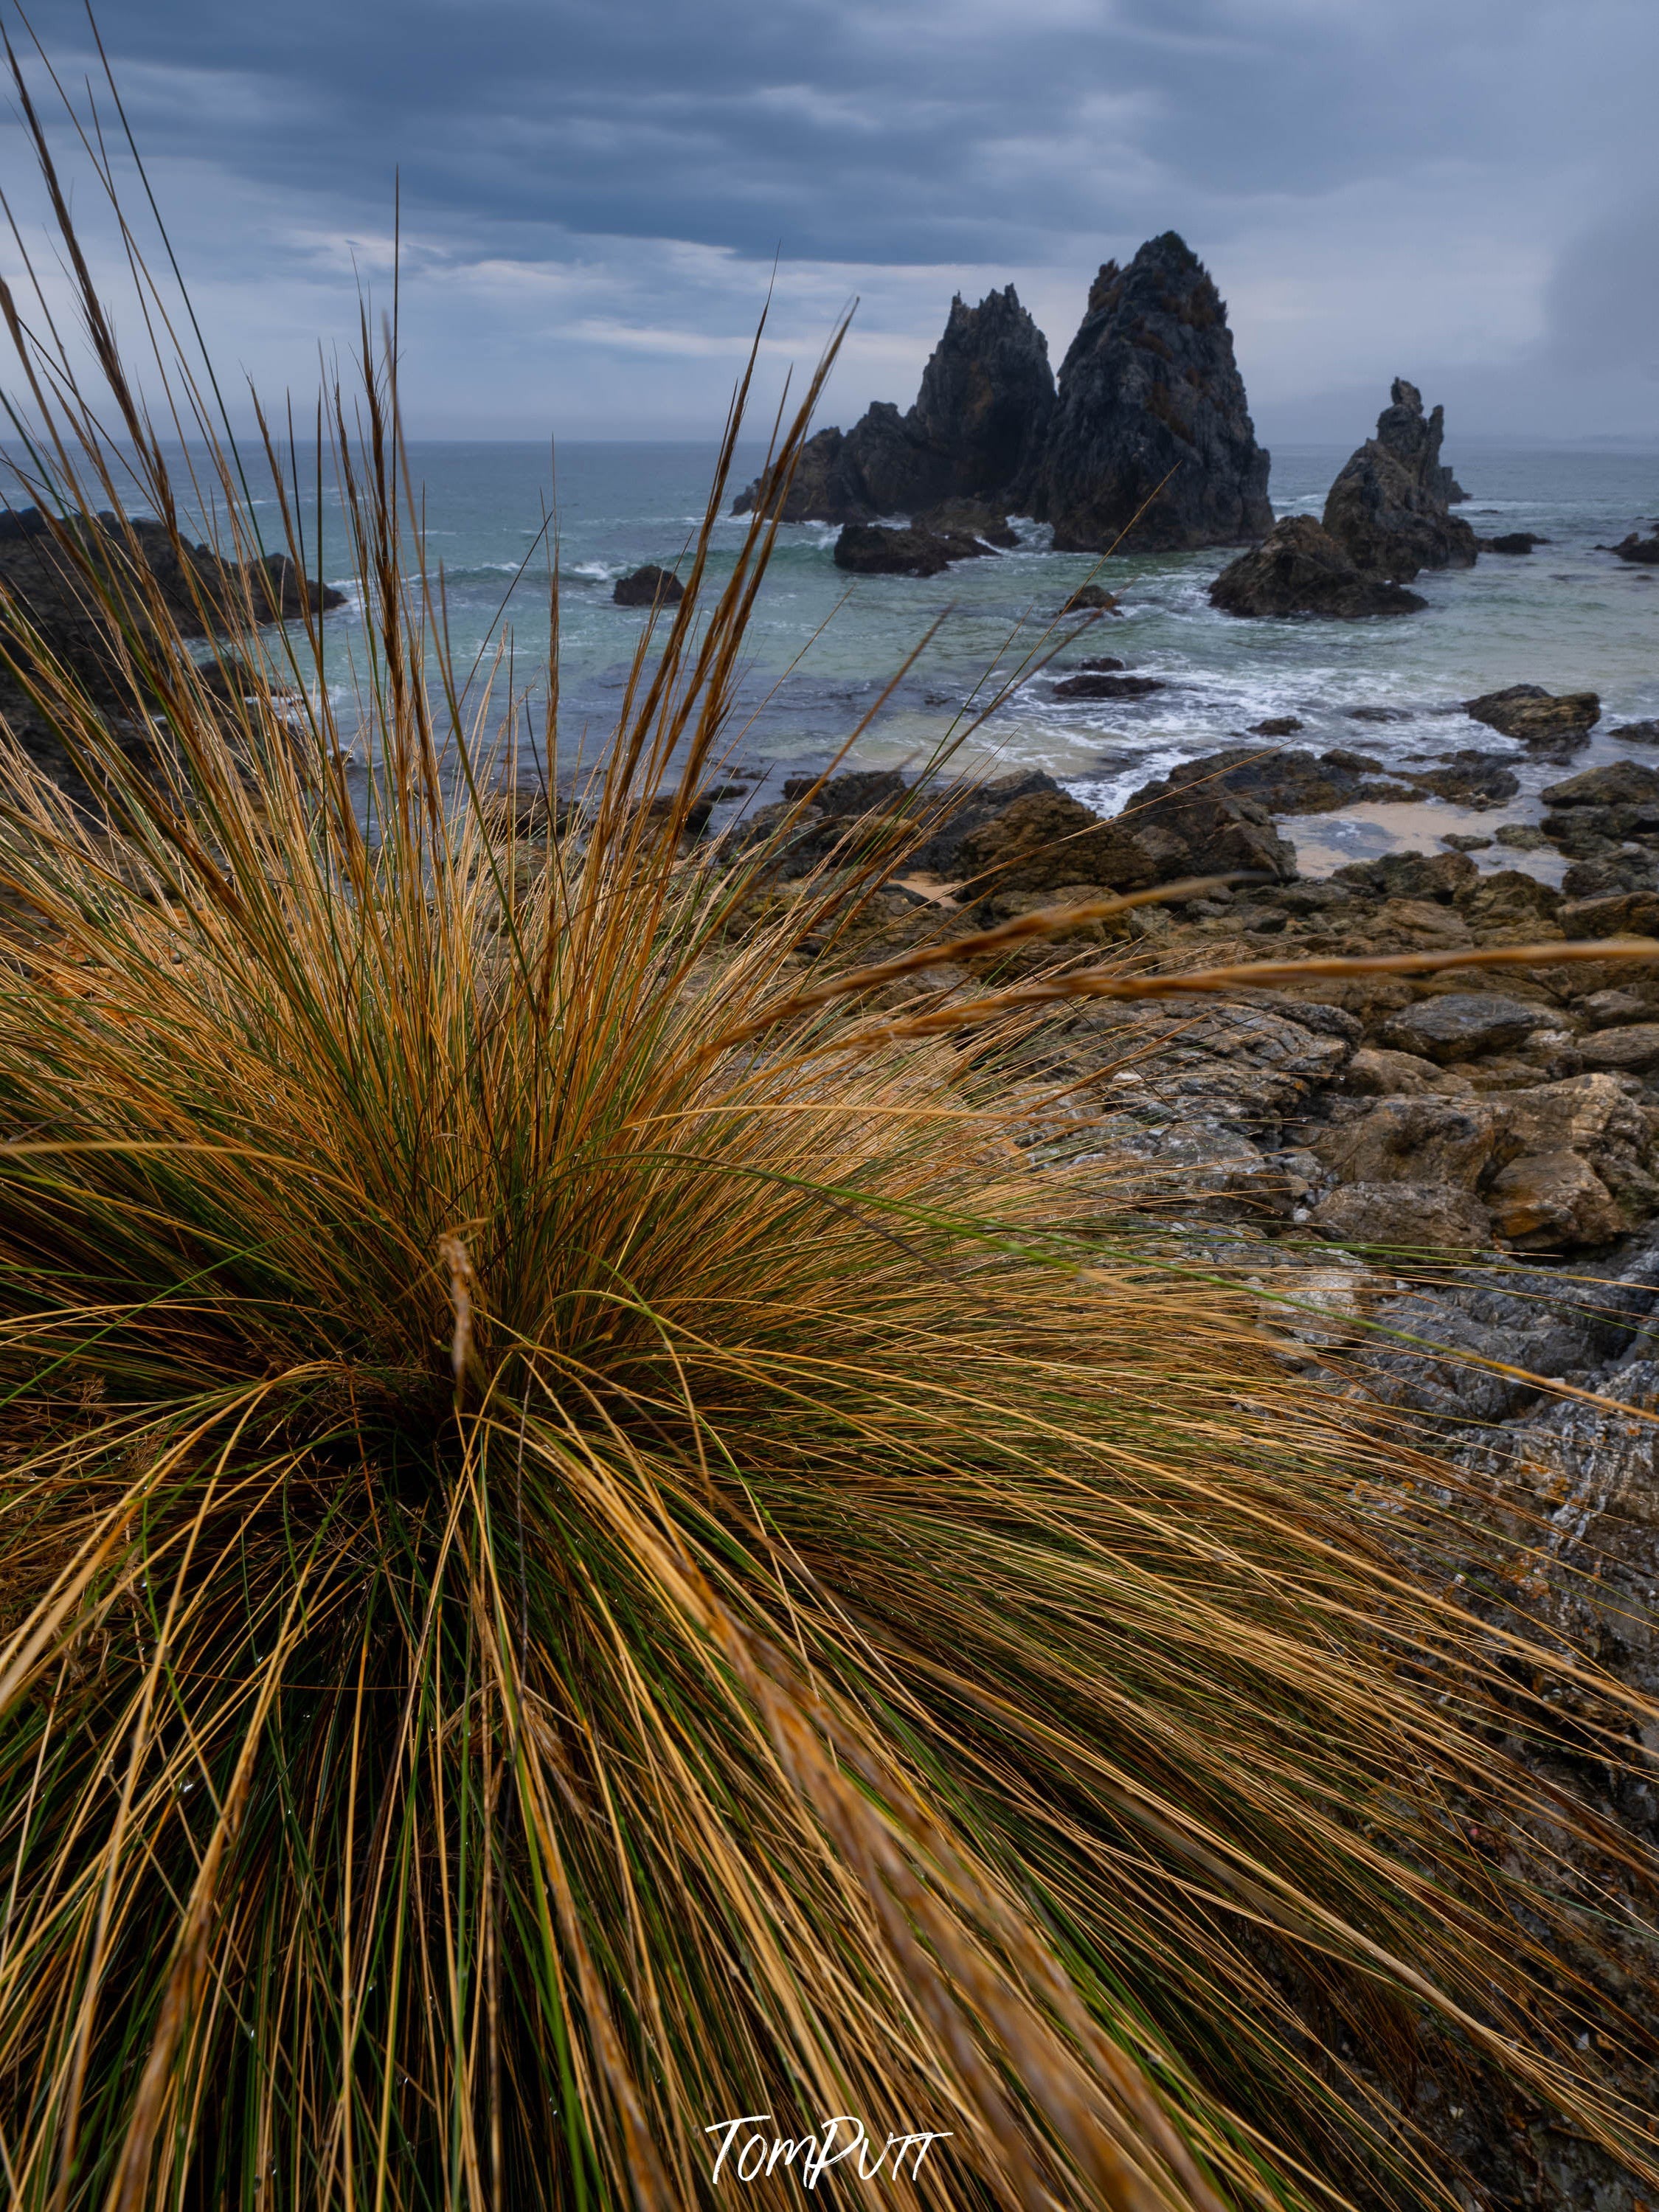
969, 518
1301, 569
1149, 390
1092, 684
1091, 598
1388, 507
1512, 541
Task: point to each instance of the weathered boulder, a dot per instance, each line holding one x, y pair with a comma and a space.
1537, 717
1455, 1025
1623, 914
1376, 1073
649, 586
1427, 1138
1642, 551
1615, 783
1551, 1200
975, 431
1149, 390
1512, 541
864, 549
1046, 838
1388, 509
1632, 1047
1300, 569
1636, 733
1404, 1217
1469, 778
1410, 875
1221, 830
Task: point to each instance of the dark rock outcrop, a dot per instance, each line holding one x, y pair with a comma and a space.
864, 549
1645, 551
1091, 598
1301, 569
1556, 722
1222, 829
976, 430
1637, 733
1512, 541
1096, 684
1388, 507
48, 590
649, 586
1149, 390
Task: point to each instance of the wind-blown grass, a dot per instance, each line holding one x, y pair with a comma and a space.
578, 1565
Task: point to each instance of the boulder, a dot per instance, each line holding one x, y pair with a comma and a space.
1535, 716
649, 586
1645, 551
1093, 686
1220, 831
1048, 838
1411, 1216
1427, 1137
1278, 725
1091, 598
1470, 778
1625, 914
1388, 507
1374, 1073
864, 549
1512, 541
975, 431
1636, 733
1615, 783
1410, 875
1454, 1025
1550, 1201
1632, 1047
1151, 444
1301, 569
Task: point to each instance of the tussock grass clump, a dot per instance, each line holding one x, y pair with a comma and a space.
578, 1565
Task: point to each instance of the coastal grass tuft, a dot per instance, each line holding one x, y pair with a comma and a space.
581, 1560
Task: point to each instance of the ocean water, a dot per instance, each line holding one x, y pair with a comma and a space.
1569, 617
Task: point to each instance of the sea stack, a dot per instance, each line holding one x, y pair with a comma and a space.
1390, 507
974, 432
1150, 391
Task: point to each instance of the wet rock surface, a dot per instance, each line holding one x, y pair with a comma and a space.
648, 586
1301, 569
866, 549
1150, 391
1538, 717
973, 432
1389, 508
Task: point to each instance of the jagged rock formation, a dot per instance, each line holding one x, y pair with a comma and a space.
1645, 551
1388, 507
1301, 569
1150, 390
976, 428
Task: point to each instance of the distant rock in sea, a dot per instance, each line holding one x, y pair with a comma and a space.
1150, 413
648, 586
976, 428
1642, 551
1300, 569
864, 549
1389, 509
1149, 390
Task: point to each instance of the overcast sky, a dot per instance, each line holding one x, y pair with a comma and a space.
1464, 191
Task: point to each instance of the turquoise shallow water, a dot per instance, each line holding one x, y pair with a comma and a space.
1568, 616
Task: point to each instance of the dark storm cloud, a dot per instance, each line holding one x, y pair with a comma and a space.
592, 185
909, 131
